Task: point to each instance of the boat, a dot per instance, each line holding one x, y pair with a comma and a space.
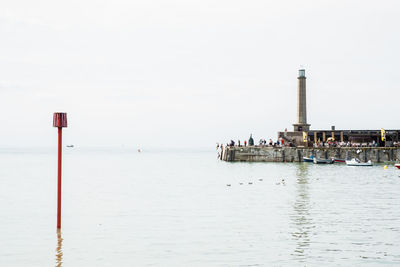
357, 162
70, 145
306, 159
323, 161
397, 165
338, 160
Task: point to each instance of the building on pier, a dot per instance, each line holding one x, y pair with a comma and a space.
302, 135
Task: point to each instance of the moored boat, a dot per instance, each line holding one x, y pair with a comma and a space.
306, 159
357, 162
339, 160
323, 161
397, 165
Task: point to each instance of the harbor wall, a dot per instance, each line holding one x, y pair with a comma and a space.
296, 154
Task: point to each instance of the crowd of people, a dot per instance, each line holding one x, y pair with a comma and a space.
351, 144
280, 142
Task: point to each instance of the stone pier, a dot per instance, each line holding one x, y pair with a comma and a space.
296, 154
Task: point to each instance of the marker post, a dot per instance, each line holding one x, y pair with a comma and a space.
59, 121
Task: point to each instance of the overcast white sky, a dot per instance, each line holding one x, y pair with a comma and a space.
189, 73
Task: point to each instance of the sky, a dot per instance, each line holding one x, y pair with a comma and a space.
188, 74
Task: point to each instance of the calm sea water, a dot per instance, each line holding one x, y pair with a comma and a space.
124, 208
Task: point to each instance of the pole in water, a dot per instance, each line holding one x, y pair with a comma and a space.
59, 121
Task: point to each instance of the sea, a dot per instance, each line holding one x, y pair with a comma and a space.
121, 207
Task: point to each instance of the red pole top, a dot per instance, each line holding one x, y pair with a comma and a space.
60, 119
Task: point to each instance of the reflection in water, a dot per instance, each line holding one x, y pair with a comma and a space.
59, 251
301, 221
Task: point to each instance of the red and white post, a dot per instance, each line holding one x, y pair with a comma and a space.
59, 121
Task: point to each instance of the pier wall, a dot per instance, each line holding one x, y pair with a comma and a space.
296, 154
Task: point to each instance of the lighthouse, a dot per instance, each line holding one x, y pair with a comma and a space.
301, 124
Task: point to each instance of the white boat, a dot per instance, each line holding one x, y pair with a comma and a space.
357, 162
323, 161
